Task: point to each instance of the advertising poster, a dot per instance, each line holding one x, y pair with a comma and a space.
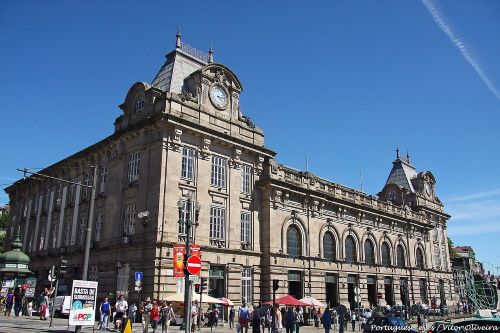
83, 302
179, 252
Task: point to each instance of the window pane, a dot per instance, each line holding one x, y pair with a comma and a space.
329, 247
420, 259
245, 227
217, 223
400, 256
188, 163
246, 178
350, 250
386, 254
293, 242
369, 253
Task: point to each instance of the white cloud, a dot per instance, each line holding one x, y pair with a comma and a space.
475, 228
478, 195
459, 44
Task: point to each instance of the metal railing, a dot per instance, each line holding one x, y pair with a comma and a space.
194, 52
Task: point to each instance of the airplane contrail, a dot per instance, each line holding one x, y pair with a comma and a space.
459, 44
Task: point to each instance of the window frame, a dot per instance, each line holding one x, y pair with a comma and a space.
129, 226
371, 250
246, 284
245, 227
134, 160
332, 247
400, 256
218, 174
352, 254
298, 239
246, 179
217, 230
139, 105
189, 162
386, 259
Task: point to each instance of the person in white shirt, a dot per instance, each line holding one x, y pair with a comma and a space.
121, 307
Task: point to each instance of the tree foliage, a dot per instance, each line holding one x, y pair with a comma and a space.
452, 251
4, 218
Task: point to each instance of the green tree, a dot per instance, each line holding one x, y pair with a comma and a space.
4, 218
452, 251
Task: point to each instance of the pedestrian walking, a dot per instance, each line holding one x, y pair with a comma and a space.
289, 320
44, 302
104, 313
167, 315
146, 315
419, 322
244, 317
121, 307
425, 323
232, 312
18, 299
353, 321
155, 316
132, 313
30, 308
327, 321
9, 302
256, 322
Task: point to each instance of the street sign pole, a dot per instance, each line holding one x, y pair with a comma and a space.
54, 303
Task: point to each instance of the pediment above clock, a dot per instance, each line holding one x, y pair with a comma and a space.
217, 73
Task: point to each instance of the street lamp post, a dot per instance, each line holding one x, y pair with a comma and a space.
144, 216
188, 222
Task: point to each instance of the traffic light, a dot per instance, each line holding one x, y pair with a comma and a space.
276, 285
203, 284
197, 288
63, 266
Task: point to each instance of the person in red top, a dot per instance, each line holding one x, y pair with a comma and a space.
155, 316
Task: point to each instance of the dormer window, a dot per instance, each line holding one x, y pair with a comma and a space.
392, 196
139, 105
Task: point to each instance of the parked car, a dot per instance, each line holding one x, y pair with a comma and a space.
422, 309
62, 306
388, 325
363, 312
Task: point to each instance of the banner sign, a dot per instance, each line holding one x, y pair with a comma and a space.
179, 252
83, 302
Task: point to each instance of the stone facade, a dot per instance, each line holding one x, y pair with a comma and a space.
259, 220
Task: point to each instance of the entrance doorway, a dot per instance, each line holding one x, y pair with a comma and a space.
295, 284
389, 294
331, 290
351, 284
372, 290
404, 291
216, 281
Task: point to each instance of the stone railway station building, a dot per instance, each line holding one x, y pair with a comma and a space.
184, 134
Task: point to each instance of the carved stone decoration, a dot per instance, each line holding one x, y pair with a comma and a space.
286, 197
277, 199
235, 162
259, 165
314, 208
175, 140
205, 148
187, 96
274, 166
246, 120
221, 78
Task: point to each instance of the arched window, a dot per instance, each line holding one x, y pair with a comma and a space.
386, 254
369, 253
420, 259
294, 244
400, 254
329, 247
350, 250
139, 105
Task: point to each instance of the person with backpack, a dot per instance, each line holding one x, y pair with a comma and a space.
167, 315
104, 311
9, 302
327, 321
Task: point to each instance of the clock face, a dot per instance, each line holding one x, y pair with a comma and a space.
218, 96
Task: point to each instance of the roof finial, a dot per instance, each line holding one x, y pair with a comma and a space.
178, 38
211, 54
397, 152
407, 157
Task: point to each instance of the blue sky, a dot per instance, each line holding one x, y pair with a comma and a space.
342, 82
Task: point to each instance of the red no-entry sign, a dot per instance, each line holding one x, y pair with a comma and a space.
379, 295
194, 265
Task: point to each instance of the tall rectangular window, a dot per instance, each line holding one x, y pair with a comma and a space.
217, 222
423, 290
218, 178
245, 227
98, 226
188, 155
67, 240
246, 284
246, 179
186, 215
86, 183
83, 224
71, 191
103, 179
54, 235
129, 226
133, 166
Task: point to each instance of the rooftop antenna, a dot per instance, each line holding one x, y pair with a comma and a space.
407, 157
397, 152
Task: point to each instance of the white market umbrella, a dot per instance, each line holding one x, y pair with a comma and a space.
311, 301
195, 297
226, 301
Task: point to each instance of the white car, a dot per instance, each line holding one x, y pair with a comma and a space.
62, 306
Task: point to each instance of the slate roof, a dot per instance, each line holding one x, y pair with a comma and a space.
402, 174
